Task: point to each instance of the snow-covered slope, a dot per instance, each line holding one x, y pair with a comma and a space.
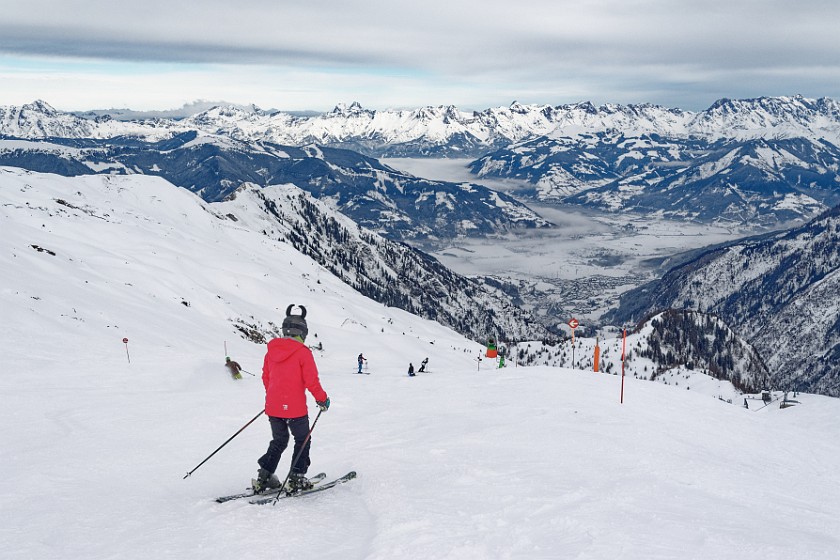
391, 273
464, 461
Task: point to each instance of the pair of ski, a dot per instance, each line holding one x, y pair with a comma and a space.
274, 494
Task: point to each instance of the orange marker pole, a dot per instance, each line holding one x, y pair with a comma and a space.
597, 355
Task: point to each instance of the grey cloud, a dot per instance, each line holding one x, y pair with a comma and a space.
434, 33
635, 45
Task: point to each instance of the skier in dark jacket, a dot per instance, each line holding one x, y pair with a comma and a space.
234, 368
411, 370
289, 371
423, 365
361, 360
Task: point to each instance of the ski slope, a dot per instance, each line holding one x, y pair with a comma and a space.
465, 461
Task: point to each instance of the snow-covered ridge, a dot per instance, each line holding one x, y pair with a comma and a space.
388, 272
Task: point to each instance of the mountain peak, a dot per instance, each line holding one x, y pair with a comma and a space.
355, 108
40, 106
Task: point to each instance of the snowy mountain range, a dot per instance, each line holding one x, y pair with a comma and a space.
757, 161
187, 110
752, 162
753, 181
780, 292
762, 161
448, 131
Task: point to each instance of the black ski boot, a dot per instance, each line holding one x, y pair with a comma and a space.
298, 482
265, 481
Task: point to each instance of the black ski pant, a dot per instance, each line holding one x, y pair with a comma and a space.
280, 428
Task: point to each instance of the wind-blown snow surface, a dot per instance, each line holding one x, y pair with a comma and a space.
458, 462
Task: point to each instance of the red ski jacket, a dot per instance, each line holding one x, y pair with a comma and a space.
288, 370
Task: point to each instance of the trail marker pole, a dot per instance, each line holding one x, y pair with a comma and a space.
125, 341
623, 348
573, 324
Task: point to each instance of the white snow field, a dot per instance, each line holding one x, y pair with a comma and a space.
459, 462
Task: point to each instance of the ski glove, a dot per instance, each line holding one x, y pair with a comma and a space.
323, 405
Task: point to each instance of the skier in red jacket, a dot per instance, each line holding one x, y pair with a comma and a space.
288, 372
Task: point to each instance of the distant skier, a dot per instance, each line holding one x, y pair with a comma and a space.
423, 365
411, 370
234, 368
289, 371
361, 359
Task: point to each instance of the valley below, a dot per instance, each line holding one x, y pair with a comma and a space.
580, 266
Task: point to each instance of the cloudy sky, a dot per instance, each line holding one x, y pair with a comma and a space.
313, 54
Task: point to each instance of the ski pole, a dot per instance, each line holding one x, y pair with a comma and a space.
225, 443
295, 460
248, 372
